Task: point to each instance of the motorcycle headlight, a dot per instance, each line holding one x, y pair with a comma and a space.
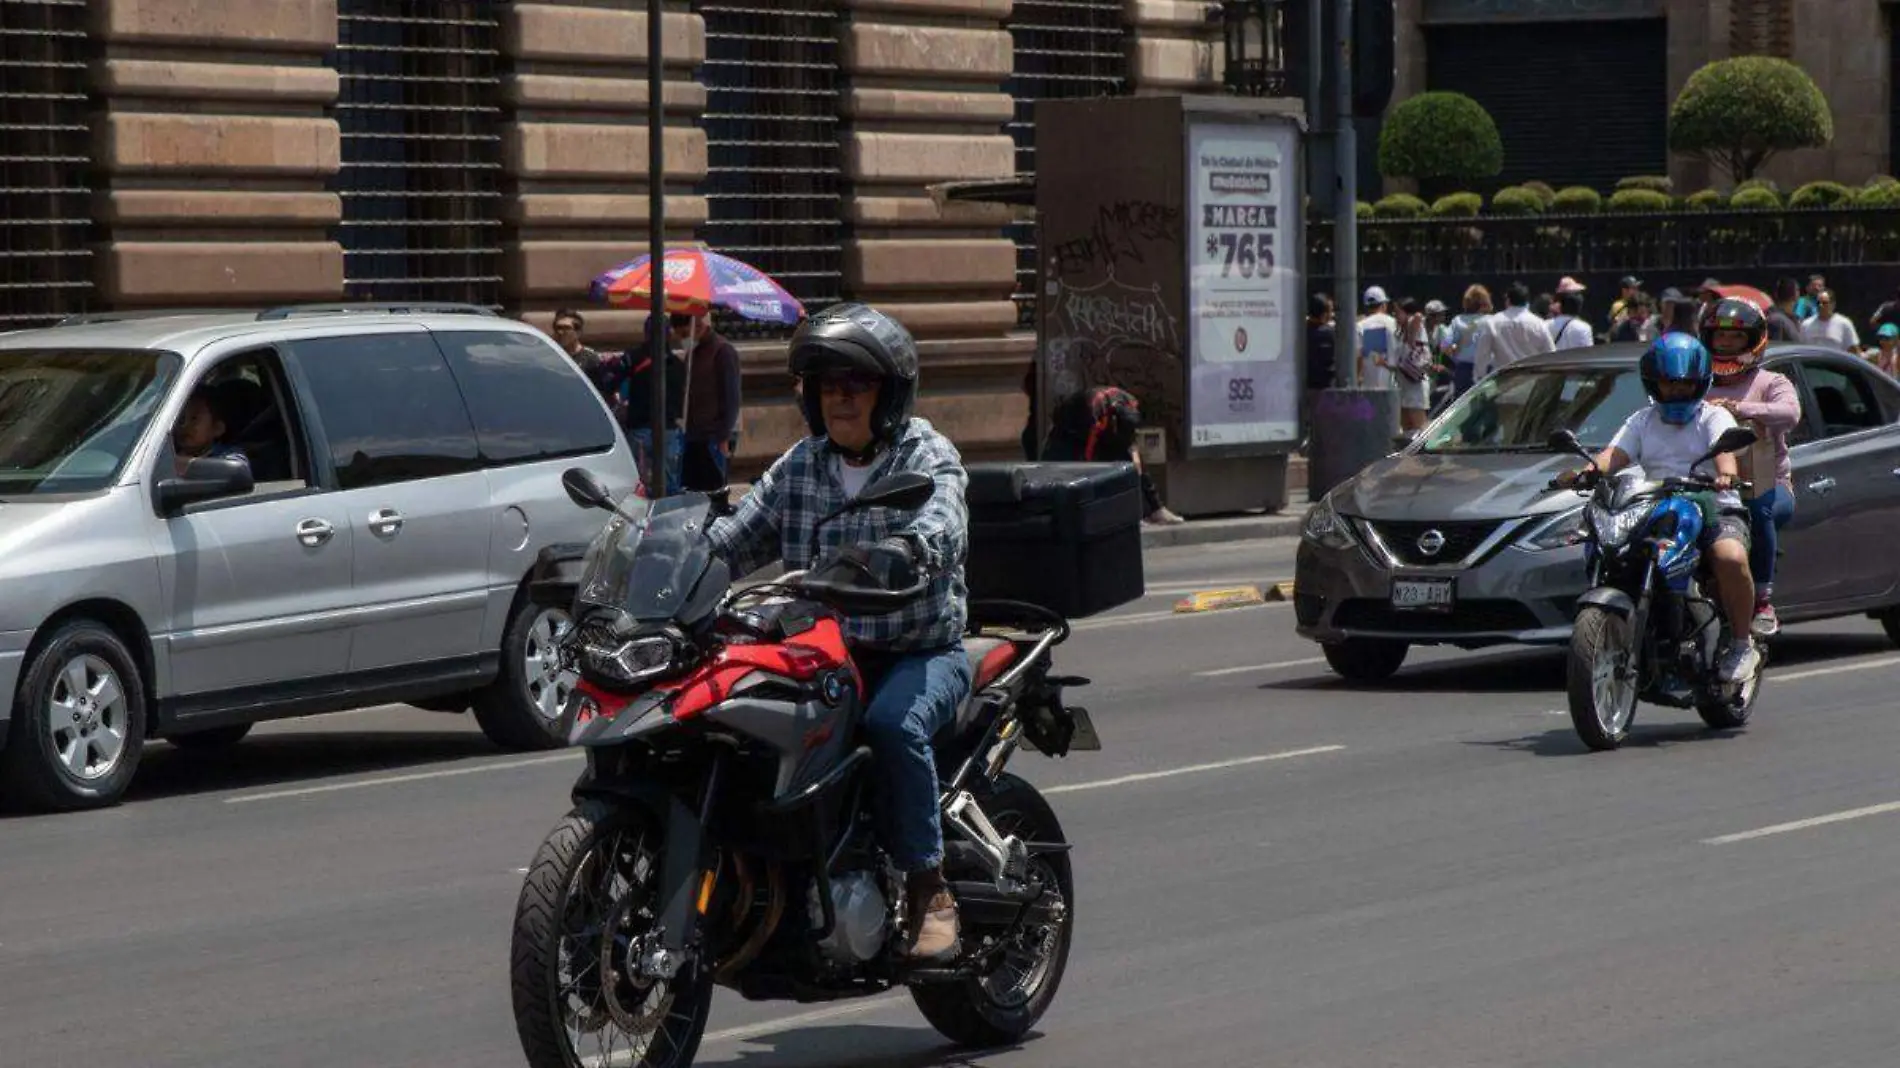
1614, 528
1325, 527
1562, 530
633, 661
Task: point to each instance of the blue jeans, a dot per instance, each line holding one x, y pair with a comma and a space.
917, 697
1767, 514
1461, 378
642, 441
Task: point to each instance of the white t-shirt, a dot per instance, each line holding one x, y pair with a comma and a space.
1665, 450
1570, 332
854, 479
1836, 331
1378, 340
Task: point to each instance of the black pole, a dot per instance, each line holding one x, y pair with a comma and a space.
656, 242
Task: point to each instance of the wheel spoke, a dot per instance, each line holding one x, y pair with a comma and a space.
110, 741
106, 691
77, 754
76, 681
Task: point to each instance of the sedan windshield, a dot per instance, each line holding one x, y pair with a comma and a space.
1518, 408
70, 417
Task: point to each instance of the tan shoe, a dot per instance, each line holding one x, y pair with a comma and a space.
933, 916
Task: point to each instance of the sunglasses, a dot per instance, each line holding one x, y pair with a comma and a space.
850, 385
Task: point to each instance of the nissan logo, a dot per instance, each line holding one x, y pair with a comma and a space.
1431, 543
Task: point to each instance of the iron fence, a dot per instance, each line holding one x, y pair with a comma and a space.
45, 208
1065, 49
421, 176
774, 164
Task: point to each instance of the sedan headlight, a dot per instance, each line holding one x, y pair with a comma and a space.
1325, 527
1560, 531
634, 661
1614, 528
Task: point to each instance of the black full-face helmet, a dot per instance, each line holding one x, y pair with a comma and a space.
857, 338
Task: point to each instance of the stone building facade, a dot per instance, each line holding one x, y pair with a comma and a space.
206, 153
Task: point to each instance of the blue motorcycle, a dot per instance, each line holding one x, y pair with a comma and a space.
1645, 630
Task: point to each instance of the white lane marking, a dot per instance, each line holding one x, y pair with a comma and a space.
1859, 665
1192, 769
1156, 617
1246, 669
766, 1027
1802, 825
444, 773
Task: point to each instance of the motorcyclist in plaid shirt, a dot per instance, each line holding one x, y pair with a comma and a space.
857, 374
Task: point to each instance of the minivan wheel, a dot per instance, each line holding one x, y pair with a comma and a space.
1365, 659
78, 722
521, 709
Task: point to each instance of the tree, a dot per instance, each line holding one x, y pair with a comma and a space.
1440, 136
1739, 113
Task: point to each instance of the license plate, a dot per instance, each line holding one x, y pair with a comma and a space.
1422, 595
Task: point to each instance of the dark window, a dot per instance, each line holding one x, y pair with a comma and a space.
45, 264
1064, 49
773, 163
421, 174
388, 406
1844, 401
1576, 103
526, 399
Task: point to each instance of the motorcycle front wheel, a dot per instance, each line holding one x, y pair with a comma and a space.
591, 894
1601, 677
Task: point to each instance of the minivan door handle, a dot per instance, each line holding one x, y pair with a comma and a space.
314, 532
385, 522
1822, 485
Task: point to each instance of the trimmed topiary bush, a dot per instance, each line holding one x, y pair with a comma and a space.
1458, 205
1632, 201
1739, 113
1880, 179
1544, 191
1884, 195
1362, 209
1760, 183
1705, 200
1754, 198
1654, 182
1440, 136
1517, 201
1577, 200
1821, 195
1399, 206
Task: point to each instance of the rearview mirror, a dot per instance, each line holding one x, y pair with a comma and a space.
1734, 439
206, 478
1565, 441
585, 490
904, 490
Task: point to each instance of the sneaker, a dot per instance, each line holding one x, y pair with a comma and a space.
1766, 624
1161, 517
1739, 660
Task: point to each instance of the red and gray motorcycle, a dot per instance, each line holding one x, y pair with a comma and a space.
722, 832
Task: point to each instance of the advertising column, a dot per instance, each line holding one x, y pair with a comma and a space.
1244, 257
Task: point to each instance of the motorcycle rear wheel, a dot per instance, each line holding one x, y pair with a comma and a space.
592, 889
1601, 678
999, 1007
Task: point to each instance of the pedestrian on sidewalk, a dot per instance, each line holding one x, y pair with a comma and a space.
1569, 330
1412, 367
1513, 334
604, 372
1098, 425
1322, 360
1829, 328
1463, 339
712, 402
1783, 323
636, 394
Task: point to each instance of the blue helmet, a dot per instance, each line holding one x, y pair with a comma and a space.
1676, 357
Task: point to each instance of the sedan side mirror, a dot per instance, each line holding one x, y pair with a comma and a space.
206, 478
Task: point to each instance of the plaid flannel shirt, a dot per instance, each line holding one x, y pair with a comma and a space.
802, 487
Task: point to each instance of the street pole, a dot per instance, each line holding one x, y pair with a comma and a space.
656, 249
1346, 206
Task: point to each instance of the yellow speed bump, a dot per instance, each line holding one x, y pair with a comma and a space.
1215, 600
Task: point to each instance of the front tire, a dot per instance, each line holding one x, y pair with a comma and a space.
594, 888
78, 722
999, 1008
1365, 659
1601, 678
521, 709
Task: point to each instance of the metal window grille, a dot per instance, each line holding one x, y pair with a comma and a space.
774, 165
45, 261
421, 174
1064, 49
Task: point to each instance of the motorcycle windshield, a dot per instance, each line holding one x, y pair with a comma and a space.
646, 566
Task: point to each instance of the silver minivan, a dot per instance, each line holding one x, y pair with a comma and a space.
377, 486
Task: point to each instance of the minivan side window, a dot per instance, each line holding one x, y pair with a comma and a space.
388, 406
525, 397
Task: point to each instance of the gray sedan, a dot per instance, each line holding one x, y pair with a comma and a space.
1456, 540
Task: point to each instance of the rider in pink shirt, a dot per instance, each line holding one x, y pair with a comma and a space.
1736, 333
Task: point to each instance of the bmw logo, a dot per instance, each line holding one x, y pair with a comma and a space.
1431, 543
834, 688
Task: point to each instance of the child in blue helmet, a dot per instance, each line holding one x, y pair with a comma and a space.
1668, 436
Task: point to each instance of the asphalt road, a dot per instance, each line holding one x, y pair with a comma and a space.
1273, 868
